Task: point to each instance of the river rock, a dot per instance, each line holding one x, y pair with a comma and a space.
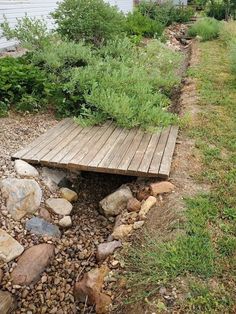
122, 232
146, 206
106, 249
90, 287
9, 247
138, 224
113, 204
32, 263
1, 275
39, 226
52, 178
133, 205
24, 169
44, 213
7, 302
69, 195
22, 196
59, 206
161, 187
65, 222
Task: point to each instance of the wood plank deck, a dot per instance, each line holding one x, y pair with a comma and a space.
107, 148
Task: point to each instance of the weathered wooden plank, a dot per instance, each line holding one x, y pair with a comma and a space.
148, 155
62, 148
156, 161
114, 150
165, 165
137, 159
98, 145
39, 152
40, 140
90, 144
128, 156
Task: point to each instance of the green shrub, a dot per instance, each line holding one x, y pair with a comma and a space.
93, 21
165, 13
31, 32
142, 25
205, 28
232, 56
21, 83
228, 32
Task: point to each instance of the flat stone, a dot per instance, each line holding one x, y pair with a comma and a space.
106, 249
39, 226
113, 204
7, 302
146, 206
122, 232
138, 224
52, 178
161, 187
24, 169
22, 196
133, 205
9, 247
59, 206
32, 264
65, 222
69, 195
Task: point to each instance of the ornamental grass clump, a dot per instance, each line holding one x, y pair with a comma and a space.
205, 28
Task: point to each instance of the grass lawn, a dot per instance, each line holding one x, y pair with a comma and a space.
204, 256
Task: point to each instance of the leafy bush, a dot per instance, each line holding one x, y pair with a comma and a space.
221, 9
93, 21
21, 83
206, 29
142, 25
165, 13
31, 32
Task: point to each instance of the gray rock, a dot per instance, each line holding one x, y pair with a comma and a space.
113, 204
53, 177
9, 247
65, 222
106, 249
42, 227
22, 196
7, 302
24, 169
59, 206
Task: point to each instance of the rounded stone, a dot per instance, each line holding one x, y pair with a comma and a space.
59, 206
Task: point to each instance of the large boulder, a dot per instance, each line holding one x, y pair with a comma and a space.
9, 247
32, 263
59, 206
7, 302
90, 288
39, 226
113, 204
24, 169
22, 196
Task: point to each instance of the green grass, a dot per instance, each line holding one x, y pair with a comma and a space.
206, 28
206, 250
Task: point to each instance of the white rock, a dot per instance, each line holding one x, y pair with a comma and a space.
24, 169
65, 221
59, 206
22, 196
146, 206
138, 224
113, 204
9, 247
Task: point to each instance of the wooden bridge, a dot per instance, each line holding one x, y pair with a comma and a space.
107, 149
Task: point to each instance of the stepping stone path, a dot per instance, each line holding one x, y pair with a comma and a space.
39, 226
32, 263
9, 247
59, 206
24, 169
23, 196
113, 204
69, 195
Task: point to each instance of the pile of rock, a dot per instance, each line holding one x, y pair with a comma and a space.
176, 34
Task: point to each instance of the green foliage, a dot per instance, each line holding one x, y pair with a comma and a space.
142, 25
31, 32
93, 21
165, 13
227, 245
221, 9
232, 56
228, 32
22, 85
205, 28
